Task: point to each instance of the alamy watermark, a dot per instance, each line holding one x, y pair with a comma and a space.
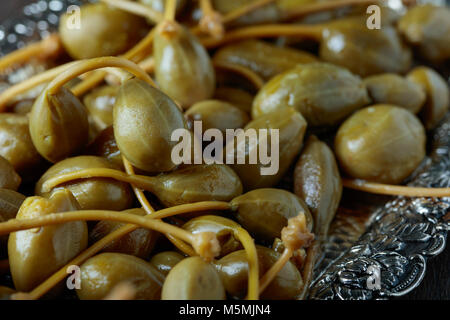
374, 20
74, 280
373, 282
73, 21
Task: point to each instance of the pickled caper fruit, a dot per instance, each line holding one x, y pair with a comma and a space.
437, 95
428, 27
9, 179
33, 254
10, 202
221, 226
101, 273
237, 97
291, 128
317, 181
144, 120
197, 183
264, 212
216, 114
233, 270
16, 145
193, 279
165, 261
350, 44
102, 31
59, 125
104, 145
100, 103
183, 68
390, 88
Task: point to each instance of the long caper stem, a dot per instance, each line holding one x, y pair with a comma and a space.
151, 212
253, 265
91, 81
148, 64
30, 83
247, 73
142, 182
142, 48
47, 47
137, 9
14, 225
138, 192
192, 207
268, 30
315, 7
211, 21
96, 63
170, 10
275, 269
394, 190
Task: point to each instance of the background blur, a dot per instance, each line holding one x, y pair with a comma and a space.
10, 7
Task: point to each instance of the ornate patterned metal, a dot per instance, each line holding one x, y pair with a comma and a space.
397, 237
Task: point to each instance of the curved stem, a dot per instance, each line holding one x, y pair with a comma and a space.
211, 21
170, 10
268, 30
49, 46
275, 269
206, 7
138, 181
91, 81
305, 9
134, 54
142, 182
386, 189
143, 46
15, 225
30, 83
192, 207
253, 77
138, 192
137, 9
93, 64
148, 64
253, 265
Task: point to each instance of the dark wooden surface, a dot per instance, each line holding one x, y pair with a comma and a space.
436, 284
